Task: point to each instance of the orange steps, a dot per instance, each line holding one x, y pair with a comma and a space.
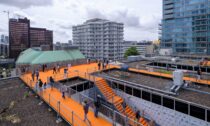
117, 101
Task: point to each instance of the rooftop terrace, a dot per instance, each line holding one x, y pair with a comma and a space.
139, 78
200, 95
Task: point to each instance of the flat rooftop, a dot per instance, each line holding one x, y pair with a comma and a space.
144, 64
20, 106
164, 85
180, 62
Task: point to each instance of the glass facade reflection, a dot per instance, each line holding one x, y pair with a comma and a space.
186, 26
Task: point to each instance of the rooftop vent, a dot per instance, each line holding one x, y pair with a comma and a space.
124, 67
177, 80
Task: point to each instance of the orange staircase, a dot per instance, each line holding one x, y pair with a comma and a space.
117, 101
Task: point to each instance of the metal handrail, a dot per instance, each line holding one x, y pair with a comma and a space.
138, 85
109, 109
50, 100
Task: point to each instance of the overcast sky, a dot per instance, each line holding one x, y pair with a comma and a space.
140, 17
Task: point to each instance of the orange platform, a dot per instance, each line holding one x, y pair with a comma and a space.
68, 106
201, 81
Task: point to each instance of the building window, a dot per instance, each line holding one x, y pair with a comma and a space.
197, 112
181, 107
137, 93
121, 87
128, 90
169, 103
156, 99
146, 95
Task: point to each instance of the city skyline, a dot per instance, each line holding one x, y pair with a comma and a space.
140, 18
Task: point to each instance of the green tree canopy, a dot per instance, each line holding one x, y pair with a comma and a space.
132, 51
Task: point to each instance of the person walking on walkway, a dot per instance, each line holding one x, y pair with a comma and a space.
65, 70
107, 63
97, 104
63, 90
51, 82
137, 117
199, 74
58, 68
40, 85
86, 109
45, 85
69, 66
54, 70
33, 75
43, 68
37, 75
98, 65
124, 105
104, 65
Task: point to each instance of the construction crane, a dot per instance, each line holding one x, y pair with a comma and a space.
7, 12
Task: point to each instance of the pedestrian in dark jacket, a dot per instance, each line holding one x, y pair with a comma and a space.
86, 109
37, 74
124, 105
54, 70
97, 106
40, 84
99, 65
43, 68
137, 116
32, 76
45, 85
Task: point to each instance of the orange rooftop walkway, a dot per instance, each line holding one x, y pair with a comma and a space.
67, 107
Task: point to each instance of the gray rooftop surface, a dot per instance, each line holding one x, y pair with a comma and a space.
24, 109
164, 85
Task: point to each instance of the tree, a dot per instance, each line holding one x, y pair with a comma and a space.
132, 51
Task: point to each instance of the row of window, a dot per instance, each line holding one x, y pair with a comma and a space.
184, 67
177, 105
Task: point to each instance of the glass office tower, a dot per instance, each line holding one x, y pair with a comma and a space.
186, 26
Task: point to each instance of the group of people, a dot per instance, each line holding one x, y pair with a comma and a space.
97, 104
103, 65
44, 67
42, 85
56, 69
35, 74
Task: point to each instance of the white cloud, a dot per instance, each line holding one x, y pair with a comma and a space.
140, 17
26, 3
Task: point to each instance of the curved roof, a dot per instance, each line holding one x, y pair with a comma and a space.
32, 56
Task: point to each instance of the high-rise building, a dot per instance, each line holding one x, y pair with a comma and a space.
41, 37
4, 39
186, 26
21, 37
4, 46
99, 39
18, 36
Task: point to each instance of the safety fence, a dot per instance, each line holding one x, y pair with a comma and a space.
162, 72
114, 116
62, 110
